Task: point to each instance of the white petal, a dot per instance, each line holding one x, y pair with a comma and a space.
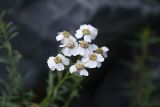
100, 58
94, 32
91, 64
74, 51
79, 61
105, 54
94, 47
66, 52
59, 37
87, 38
99, 64
72, 69
76, 44
72, 38
84, 26
79, 34
51, 65
52, 69
84, 72
105, 49
63, 41
90, 48
50, 58
65, 61
59, 67
62, 45
85, 59
86, 53
81, 51
94, 35
51, 62
61, 56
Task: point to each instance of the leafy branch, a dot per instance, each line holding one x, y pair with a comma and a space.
141, 84
14, 94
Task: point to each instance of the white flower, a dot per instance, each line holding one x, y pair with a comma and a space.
64, 36
85, 48
89, 32
57, 62
103, 50
70, 48
93, 60
79, 69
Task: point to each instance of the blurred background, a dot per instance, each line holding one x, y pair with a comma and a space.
123, 27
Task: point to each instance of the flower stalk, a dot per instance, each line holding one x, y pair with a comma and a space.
73, 92
143, 86
85, 54
52, 96
77, 56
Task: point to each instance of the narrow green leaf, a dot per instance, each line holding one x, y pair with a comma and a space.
50, 81
13, 35
2, 15
10, 30
61, 98
8, 69
17, 56
3, 60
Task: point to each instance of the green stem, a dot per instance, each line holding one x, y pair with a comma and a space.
143, 71
73, 93
11, 60
14, 78
13, 74
52, 96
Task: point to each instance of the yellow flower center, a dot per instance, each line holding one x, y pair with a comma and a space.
93, 57
79, 66
99, 51
57, 60
70, 44
66, 34
86, 32
84, 44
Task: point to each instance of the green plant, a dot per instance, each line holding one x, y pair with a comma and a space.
13, 93
141, 87
62, 86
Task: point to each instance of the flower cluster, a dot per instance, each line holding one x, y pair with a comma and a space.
88, 55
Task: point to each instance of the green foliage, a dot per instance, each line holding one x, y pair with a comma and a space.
62, 87
141, 86
13, 93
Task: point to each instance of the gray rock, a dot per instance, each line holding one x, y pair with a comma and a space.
47, 17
